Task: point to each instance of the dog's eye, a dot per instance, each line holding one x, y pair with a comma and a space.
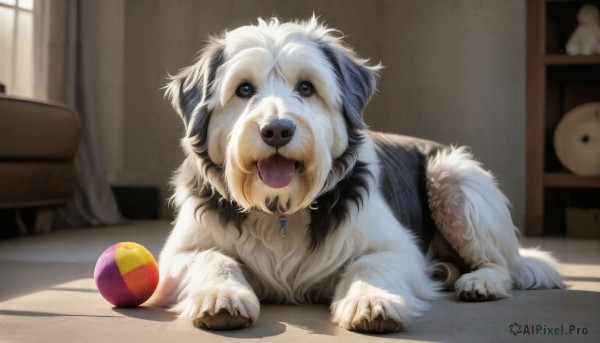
305, 88
245, 90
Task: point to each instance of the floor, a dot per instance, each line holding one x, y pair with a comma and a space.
47, 294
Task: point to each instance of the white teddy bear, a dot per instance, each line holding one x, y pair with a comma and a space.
586, 38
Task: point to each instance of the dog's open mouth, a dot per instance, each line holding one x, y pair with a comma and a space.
277, 171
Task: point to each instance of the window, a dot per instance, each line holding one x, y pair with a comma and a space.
16, 46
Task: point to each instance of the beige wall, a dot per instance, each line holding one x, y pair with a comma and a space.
454, 73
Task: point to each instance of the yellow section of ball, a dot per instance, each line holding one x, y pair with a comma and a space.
130, 255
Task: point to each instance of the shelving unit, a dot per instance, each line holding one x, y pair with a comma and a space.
556, 83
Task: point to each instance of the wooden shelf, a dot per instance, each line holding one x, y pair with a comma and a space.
571, 180
556, 82
565, 0
570, 60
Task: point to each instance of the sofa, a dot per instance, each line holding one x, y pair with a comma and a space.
38, 142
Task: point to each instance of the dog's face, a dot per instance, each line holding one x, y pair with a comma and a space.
273, 113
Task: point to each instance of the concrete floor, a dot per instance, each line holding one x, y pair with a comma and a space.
47, 294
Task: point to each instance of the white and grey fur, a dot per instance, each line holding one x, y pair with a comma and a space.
362, 211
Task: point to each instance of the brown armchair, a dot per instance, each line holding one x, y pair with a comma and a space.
38, 142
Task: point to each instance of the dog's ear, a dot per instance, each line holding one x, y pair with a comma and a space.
357, 81
190, 90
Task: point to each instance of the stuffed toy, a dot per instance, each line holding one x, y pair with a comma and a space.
586, 38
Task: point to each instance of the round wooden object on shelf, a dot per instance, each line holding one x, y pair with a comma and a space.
577, 140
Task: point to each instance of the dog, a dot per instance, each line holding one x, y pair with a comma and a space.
285, 196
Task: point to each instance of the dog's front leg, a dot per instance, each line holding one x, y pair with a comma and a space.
381, 290
217, 296
209, 288
374, 298
199, 282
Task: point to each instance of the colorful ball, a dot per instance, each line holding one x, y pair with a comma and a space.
126, 274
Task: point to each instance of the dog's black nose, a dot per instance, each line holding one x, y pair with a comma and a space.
278, 132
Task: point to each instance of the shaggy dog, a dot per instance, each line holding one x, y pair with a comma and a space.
284, 196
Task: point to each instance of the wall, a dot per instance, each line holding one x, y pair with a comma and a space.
454, 73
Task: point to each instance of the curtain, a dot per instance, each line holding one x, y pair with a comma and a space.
66, 71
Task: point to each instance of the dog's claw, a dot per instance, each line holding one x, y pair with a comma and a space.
378, 326
476, 296
222, 320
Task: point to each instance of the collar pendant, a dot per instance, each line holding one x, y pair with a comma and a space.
282, 222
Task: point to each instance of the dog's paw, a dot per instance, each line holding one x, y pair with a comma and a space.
222, 307
475, 288
222, 320
379, 325
371, 313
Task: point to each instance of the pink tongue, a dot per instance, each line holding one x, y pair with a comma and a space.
276, 171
